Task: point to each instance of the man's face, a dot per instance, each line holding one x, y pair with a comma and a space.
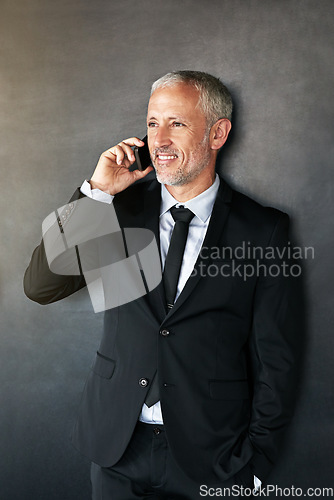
177, 135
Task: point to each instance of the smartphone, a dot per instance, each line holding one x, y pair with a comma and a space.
142, 155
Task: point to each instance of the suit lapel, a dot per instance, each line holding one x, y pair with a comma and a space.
151, 217
218, 219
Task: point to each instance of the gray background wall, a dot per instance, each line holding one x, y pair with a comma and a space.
75, 77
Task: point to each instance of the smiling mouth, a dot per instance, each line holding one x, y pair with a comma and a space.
166, 157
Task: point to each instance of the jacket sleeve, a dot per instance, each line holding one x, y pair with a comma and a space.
42, 285
45, 287
272, 352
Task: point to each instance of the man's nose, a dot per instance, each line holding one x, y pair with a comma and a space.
162, 137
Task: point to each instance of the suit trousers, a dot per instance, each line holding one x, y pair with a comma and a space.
148, 471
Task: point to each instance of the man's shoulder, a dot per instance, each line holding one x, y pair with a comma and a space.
252, 221
137, 190
244, 205
139, 199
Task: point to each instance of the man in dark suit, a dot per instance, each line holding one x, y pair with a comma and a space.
190, 389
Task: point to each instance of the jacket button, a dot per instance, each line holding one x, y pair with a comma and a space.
143, 382
165, 333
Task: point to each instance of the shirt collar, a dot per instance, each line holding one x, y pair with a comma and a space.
201, 205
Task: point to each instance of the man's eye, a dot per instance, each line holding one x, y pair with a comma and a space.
178, 124
151, 124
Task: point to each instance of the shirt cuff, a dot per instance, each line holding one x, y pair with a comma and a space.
96, 194
257, 483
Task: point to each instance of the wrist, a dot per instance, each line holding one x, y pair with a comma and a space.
102, 187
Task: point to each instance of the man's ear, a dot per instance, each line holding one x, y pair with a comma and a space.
219, 133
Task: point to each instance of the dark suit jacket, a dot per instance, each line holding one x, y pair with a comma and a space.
225, 366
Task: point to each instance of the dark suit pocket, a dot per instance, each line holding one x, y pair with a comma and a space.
103, 366
230, 390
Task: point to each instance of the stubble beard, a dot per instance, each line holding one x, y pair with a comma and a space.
198, 160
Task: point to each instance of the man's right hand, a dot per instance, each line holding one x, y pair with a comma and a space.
112, 173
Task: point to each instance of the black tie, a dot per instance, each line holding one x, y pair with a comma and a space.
182, 217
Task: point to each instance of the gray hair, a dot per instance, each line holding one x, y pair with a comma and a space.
214, 98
